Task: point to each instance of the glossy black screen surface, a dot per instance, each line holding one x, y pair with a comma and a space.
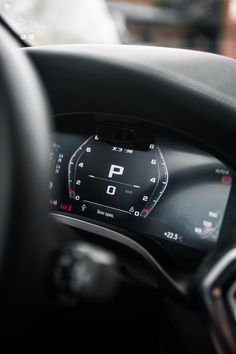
165, 189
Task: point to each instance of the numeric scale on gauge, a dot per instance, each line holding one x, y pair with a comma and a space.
112, 180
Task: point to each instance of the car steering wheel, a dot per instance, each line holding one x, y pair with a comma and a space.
26, 238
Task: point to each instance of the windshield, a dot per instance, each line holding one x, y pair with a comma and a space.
208, 25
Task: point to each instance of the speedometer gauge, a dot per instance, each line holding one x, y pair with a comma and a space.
112, 180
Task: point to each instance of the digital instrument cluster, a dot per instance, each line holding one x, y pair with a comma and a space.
107, 176
164, 189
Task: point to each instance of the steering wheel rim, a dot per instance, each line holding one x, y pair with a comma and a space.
24, 136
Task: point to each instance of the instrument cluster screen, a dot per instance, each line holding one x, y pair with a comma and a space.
166, 189
105, 176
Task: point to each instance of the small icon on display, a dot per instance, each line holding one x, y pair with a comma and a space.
83, 207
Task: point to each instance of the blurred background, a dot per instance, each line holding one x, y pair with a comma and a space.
208, 25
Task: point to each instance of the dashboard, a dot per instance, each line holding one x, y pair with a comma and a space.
153, 185
125, 116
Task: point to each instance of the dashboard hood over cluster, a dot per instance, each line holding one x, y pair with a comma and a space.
184, 90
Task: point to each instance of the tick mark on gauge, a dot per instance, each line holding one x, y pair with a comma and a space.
146, 210
111, 180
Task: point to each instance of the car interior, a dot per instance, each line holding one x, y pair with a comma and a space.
118, 198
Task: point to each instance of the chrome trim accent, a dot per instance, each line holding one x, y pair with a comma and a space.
217, 313
231, 300
219, 267
118, 237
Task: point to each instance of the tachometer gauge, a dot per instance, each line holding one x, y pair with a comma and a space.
114, 180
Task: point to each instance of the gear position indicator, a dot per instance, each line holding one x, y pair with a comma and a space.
116, 179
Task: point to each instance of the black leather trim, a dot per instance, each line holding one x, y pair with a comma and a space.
185, 90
